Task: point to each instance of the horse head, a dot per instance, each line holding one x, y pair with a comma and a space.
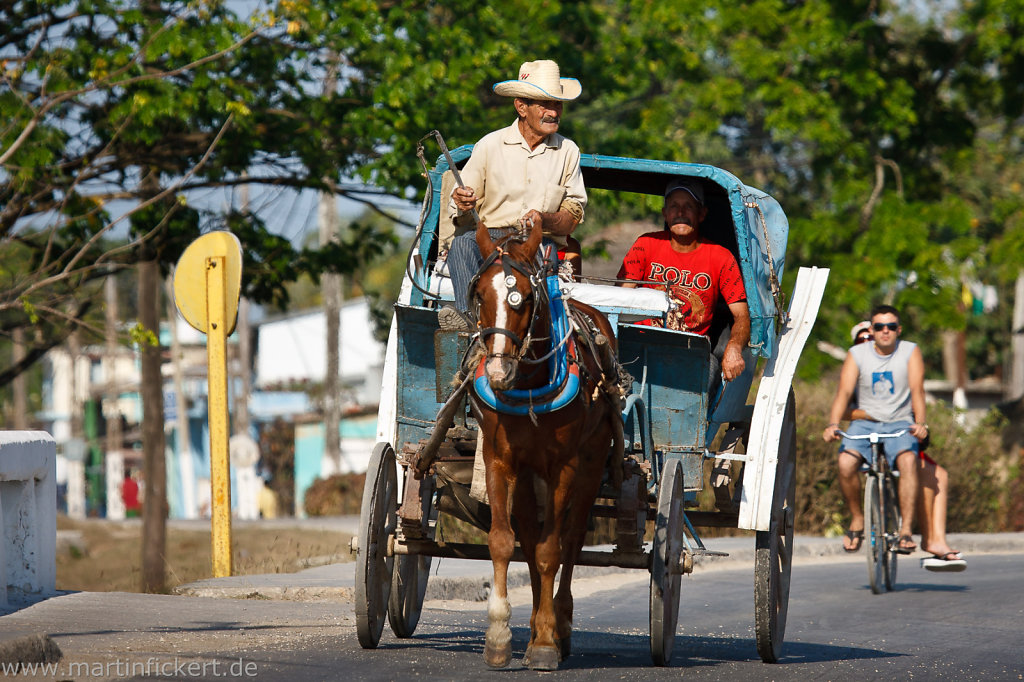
506, 293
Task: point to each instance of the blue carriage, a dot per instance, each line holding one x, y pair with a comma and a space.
675, 420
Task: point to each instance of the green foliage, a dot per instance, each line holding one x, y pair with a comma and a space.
142, 337
889, 135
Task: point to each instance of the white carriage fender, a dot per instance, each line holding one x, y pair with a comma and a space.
770, 404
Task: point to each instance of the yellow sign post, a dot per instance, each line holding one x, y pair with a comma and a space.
207, 284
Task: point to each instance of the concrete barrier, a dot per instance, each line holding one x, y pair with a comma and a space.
28, 513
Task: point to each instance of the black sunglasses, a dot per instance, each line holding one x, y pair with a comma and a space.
879, 326
862, 338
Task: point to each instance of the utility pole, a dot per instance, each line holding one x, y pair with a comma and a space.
154, 502
241, 420
115, 437
331, 290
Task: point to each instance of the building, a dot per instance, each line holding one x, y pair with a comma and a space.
288, 365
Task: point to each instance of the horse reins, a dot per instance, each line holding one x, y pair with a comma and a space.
515, 299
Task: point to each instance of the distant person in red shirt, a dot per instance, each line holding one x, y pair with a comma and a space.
130, 495
697, 273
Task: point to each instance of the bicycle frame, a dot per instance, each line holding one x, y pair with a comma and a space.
881, 512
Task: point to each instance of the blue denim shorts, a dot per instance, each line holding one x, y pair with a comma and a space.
892, 446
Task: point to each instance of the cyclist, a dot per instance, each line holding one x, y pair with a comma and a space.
933, 489
888, 376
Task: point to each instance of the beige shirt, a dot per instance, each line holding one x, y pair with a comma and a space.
510, 179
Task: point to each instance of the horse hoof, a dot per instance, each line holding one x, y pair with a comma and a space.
542, 658
497, 657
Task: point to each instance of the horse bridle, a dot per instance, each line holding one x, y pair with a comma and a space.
513, 296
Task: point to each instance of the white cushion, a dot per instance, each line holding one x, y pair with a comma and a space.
605, 296
597, 295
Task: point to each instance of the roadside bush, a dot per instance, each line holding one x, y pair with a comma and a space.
335, 495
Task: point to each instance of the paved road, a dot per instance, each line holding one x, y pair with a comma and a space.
945, 626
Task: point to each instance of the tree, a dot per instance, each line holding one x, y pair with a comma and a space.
867, 120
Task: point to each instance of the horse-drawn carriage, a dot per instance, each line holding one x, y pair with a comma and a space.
668, 413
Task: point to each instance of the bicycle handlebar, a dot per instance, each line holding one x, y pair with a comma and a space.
873, 437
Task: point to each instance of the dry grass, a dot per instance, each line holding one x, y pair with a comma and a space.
109, 557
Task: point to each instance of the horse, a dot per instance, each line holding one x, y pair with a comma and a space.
550, 434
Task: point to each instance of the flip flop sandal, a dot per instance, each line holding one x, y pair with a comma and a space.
903, 548
950, 562
856, 538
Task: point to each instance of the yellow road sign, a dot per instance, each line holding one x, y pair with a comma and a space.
190, 279
207, 283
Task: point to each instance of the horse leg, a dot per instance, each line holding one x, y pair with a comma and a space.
525, 510
545, 651
501, 542
588, 483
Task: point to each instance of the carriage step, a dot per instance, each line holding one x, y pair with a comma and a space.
707, 552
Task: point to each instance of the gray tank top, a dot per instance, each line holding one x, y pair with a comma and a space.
883, 390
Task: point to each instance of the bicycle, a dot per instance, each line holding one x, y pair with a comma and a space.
881, 512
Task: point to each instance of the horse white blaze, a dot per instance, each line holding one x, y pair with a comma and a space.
494, 366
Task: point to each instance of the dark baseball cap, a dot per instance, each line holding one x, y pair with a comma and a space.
691, 185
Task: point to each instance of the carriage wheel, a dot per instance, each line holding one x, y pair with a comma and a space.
665, 555
874, 534
892, 532
409, 584
774, 548
377, 521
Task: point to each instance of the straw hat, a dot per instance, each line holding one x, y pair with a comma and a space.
540, 80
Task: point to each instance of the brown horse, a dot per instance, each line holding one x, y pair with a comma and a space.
543, 467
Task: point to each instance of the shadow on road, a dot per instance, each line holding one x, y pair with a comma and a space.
597, 650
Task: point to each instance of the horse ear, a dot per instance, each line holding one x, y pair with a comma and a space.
536, 234
483, 239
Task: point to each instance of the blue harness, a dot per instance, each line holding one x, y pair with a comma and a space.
563, 370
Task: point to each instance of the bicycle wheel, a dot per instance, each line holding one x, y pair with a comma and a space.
892, 530
874, 532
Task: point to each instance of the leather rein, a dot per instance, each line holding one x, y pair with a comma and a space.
516, 299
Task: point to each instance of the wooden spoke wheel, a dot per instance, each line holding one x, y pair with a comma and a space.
409, 584
773, 561
665, 556
377, 523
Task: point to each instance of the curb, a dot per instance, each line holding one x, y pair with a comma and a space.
341, 594
472, 581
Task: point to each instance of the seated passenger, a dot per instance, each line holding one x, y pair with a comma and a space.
697, 273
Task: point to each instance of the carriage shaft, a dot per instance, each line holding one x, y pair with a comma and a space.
461, 550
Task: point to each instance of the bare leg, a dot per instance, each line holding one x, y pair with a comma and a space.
849, 483
934, 482
906, 462
926, 502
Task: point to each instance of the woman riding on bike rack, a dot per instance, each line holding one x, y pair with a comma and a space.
888, 376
